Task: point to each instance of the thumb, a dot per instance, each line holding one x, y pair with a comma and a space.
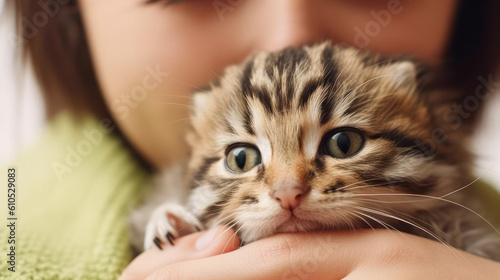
198, 245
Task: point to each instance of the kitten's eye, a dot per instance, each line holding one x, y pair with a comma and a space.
242, 159
343, 144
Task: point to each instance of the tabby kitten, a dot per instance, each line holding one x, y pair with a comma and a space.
320, 138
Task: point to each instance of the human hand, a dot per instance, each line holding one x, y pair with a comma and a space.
194, 246
366, 254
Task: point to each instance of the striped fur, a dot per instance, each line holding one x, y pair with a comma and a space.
284, 104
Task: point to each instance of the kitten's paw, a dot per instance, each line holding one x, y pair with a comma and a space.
168, 222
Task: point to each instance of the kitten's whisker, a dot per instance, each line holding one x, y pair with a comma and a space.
345, 220
207, 217
172, 95
222, 233
220, 205
383, 214
386, 225
189, 106
219, 117
338, 77
364, 83
356, 214
186, 119
216, 212
452, 249
471, 183
357, 73
384, 185
184, 83
350, 221
359, 182
376, 204
204, 218
360, 103
367, 186
221, 219
429, 197
176, 104
213, 73
232, 238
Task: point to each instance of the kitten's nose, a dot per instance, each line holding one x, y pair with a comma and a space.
289, 198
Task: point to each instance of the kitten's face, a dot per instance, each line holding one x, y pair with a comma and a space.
313, 139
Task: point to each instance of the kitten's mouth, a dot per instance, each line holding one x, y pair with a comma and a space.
291, 222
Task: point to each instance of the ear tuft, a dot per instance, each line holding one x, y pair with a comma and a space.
403, 74
199, 101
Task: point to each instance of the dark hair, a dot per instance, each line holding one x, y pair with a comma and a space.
58, 50
62, 63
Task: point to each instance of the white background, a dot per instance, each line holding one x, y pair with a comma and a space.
22, 115
21, 110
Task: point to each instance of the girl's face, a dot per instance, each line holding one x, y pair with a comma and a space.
149, 57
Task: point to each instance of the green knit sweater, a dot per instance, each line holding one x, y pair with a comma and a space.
74, 190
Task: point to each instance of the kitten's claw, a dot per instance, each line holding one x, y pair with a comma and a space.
157, 243
170, 238
168, 222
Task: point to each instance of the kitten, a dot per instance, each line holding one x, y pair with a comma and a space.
320, 138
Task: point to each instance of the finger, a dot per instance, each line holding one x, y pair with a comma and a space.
380, 273
194, 246
284, 256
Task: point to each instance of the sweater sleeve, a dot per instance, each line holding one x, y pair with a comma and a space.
74, 190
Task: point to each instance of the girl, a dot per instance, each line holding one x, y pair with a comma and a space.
132, 65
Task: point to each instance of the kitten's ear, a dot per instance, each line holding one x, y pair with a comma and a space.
200, 101
402, 74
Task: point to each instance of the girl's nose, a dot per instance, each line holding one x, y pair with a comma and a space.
290, 23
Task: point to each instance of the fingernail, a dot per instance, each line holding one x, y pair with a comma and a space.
205, 240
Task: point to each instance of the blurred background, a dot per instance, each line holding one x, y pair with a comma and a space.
22, 114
